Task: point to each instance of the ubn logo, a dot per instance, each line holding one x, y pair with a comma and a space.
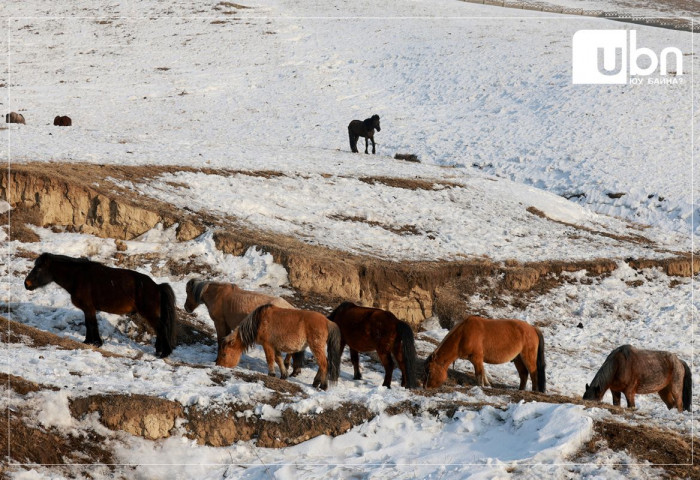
603, 57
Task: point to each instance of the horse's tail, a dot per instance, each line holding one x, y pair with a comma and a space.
353, 139
408, 347
687, 387
168, 326
333, 351
541, 364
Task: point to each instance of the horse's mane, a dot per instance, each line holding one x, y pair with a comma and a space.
607, 370
248, 329
369, 122
340, 308
66, 258
197, 288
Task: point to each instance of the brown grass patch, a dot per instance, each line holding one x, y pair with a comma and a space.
398, 230
410, 183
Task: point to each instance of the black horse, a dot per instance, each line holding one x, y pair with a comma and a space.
94, 287
363, 128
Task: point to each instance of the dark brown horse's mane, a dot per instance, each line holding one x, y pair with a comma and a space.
66, 258
340, 308
248, 329
607, 370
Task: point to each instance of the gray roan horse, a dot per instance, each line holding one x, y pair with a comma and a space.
630, 371
363, 128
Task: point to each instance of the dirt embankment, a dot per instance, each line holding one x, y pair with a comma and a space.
155, 418
84, 198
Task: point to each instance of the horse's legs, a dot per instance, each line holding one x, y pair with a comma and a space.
222, 329
321, 378
479, 372
522, 372
617, 396
667, 396
629, 396
374, 150
92, 333
398, 355
355, 359
281, 365
388, 363
366, 144
298, 358
271, 357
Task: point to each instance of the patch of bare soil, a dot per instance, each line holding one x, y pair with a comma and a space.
37, 445
410, 183
15, 332
668, 450
398, 230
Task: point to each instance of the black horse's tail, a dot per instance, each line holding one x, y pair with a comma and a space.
333, 352
353, 139
687, 387
408, 347
541, 364
167, 329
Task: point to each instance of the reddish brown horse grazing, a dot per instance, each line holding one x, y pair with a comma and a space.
630, 371
482, 340
62, 121
286, 330
228, 305
366, 329
94, 287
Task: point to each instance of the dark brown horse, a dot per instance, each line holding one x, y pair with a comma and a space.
491, 341
366, 329
363, 128
630, 371
94, 287
62, 121
286, 330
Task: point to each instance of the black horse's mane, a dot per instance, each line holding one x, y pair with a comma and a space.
369, 122
67, 259
607, 370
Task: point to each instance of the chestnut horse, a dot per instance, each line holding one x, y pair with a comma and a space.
228, 305
94, 287
630, 371
492, 341
366, 329
286, 330
363, 128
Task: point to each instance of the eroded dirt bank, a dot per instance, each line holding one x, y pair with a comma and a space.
85, 198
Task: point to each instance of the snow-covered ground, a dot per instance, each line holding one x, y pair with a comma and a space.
482, 95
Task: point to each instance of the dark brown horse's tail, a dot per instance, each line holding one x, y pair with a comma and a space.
167, 327
687, 387
541, 364
408, 347
333, 352
353, 140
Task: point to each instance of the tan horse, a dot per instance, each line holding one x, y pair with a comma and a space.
630, 371
228, 305
492, 341
286, 330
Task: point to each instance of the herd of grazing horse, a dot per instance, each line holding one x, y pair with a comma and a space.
243, 318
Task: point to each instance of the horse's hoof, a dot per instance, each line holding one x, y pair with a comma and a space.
357, 377
271, 374
94, 343
324, 386
163, 354
295, 372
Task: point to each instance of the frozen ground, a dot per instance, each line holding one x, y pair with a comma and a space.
482, 95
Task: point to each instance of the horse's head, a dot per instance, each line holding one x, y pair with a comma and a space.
375, 123
593, 393
435, 375
230, 350
40, 274
193, 296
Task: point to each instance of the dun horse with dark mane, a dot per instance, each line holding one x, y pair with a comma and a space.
363, 128
94, 287
367, 329
630, 371
482, 340
228, 305
287, 330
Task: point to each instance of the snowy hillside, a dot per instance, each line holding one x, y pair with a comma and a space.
517, 165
